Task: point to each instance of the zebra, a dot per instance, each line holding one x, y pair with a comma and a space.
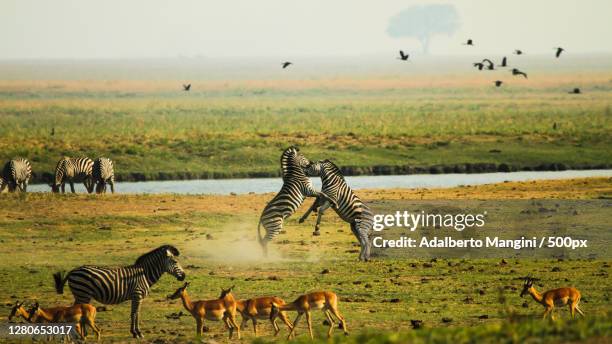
103, 173
114, 285
349, 207
16, 174
73, 170
296, 187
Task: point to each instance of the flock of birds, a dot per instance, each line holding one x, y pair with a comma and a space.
485, 64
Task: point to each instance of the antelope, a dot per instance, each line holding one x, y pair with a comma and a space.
326, 301
81, 314
555, 297
223, 308
261, 308
19, 311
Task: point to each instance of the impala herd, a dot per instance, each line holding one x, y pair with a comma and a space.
226, 307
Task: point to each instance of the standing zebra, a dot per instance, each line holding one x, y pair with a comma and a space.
349, 207
114, 285
104, 173
296, 187
16, 174
73, 170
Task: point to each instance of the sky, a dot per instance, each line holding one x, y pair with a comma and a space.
119, 29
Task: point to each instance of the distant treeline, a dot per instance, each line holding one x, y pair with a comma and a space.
46, 177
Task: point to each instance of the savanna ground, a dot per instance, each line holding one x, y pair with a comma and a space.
43, 233
402, 117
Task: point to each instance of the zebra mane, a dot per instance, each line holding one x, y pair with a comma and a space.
331, 168
156, 252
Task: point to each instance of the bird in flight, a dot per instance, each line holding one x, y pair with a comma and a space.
403, 57
498, 83
186, 87
518, 52
469, 42
480, 65
559, 51
490, 66
504, 62
575, 91
518, 72
286, 64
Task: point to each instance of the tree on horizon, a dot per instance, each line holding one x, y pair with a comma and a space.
423, 22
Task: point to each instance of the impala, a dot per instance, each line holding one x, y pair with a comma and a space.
555, 297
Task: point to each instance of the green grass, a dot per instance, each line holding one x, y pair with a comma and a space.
41, 234
239, 129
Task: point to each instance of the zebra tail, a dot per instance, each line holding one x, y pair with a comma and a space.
60, 281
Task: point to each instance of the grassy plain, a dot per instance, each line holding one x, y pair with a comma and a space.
387, 122
43, 233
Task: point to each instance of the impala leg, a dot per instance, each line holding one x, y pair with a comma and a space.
337, 314
229, 326
309, 322
275, 325
255, 325
285, 320
232, 320
199, 325
331, 323
295, 323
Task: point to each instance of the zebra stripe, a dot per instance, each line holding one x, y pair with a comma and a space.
16, 174
73, 170
103, 174
296, 187
349, 207
113, 285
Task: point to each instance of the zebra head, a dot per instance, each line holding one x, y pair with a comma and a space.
293, 161
313, 169
173, 267
159, 261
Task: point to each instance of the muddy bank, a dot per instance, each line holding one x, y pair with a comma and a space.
46, 177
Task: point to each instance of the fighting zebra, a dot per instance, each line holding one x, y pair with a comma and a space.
296, 187
114, 285
349, 207
73, 170
16, 174
103, 173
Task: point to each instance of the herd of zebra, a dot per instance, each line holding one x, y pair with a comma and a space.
335, 193
99, 173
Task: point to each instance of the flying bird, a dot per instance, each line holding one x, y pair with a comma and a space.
186, 87
575, 91
286, 64
518, 72
469, 42
559, 51
498, 83
504, 62
480, 65
403, 56
518, 52
490, 67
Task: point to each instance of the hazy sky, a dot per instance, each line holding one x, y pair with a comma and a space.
286, 28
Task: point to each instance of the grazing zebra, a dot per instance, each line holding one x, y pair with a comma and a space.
103, 173
296, 187
16, 174
73, 170
114, 285
349, 207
